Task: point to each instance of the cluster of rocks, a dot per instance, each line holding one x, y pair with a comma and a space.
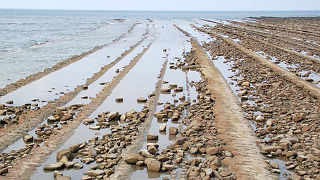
285, 42
286, 117
291, 32
301, 64
6, 159
10, 114
198, 152
105, 152
59, 117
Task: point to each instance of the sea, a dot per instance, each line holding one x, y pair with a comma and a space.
32, 40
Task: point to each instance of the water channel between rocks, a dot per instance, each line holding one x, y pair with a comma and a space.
135, 84
225, 68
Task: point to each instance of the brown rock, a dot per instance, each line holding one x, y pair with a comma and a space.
153, 165
94, 173
212, 150
274, 165
133, 158
152, 136
28, 139
163, 127
64, 152
113, 115
55, 166
141, 100
173, 131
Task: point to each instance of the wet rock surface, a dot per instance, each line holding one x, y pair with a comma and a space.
283, 114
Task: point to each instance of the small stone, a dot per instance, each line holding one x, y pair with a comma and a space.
74, 148
28, 139
152, 136
63, 178
51, 119
77, 166
140, 163
95, 127
86, 178
269, 122
133, 158
113, 115
212, 150
141, 100
3, 171
109, 156
64, 152
163, 127
260, 118
225, 173
194, 150
153, 165
119, 100
3, 112
247, 84
152, 149
9, 102
88, 121
55, 166
173, 131
94, 173
168, 167
274, 165
165, 90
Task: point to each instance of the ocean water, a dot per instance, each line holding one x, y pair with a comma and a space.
32, 40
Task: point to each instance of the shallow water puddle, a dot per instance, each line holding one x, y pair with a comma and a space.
55, 84
95, 87
305, 75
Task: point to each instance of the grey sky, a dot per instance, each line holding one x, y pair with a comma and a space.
210, 5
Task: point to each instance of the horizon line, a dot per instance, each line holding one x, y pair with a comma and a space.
153, 10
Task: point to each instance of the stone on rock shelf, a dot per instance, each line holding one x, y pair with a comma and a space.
152, 136
163, 127
141, 100
133, 158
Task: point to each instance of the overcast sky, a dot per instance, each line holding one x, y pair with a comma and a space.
195, 5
